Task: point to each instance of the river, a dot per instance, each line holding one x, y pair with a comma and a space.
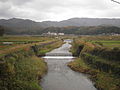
61, 77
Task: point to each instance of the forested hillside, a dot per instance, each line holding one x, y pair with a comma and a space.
1, 31
79, 26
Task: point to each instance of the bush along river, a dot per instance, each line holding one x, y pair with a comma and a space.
59, 75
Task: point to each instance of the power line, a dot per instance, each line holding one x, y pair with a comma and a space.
115, 1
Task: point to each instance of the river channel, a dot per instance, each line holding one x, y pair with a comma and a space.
61, 77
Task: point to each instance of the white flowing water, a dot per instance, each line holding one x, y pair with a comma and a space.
61, 77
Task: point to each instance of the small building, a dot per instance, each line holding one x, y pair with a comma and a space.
52, 33
7, 43
61, 34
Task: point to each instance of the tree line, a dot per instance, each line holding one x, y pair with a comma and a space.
1, 31
83, 30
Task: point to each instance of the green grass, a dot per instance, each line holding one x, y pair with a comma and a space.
79, 63
30, 67
23, 38
5, 46
43, 51
50, 47
22, 46
107, 81
17, 40
110, 43
106, 41
28, 71
22, 73
98, 38
102, 80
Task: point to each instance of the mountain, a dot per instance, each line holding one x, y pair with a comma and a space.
20, 26
19, 23
84, 22
23, 23
26, 26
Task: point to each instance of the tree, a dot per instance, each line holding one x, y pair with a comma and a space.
116, 1
1, 31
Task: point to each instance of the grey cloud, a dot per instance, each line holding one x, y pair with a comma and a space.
16, 2
3, 0
5, 10
57, 9
10, 8
20, 2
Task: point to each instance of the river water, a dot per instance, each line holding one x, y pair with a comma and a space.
61, 77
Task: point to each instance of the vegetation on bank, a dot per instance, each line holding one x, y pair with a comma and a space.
103, 80
102, 63
43, 50
22, 69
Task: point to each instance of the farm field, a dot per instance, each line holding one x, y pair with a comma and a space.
15, 42
21, 67
106, 41
59, 44
97, 56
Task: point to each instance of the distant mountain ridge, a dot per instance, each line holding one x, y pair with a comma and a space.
85, 22
70, 22
26, 26
18, 23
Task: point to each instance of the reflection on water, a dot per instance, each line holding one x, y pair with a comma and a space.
61, 77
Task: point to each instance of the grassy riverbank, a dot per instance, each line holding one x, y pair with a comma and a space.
103, 80
100, 62
21, 70
20, 66
43, 50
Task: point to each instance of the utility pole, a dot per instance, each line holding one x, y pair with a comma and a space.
115, 1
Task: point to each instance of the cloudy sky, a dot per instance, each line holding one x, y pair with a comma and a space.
57, 10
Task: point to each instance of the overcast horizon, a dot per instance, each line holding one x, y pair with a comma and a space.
58, 10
